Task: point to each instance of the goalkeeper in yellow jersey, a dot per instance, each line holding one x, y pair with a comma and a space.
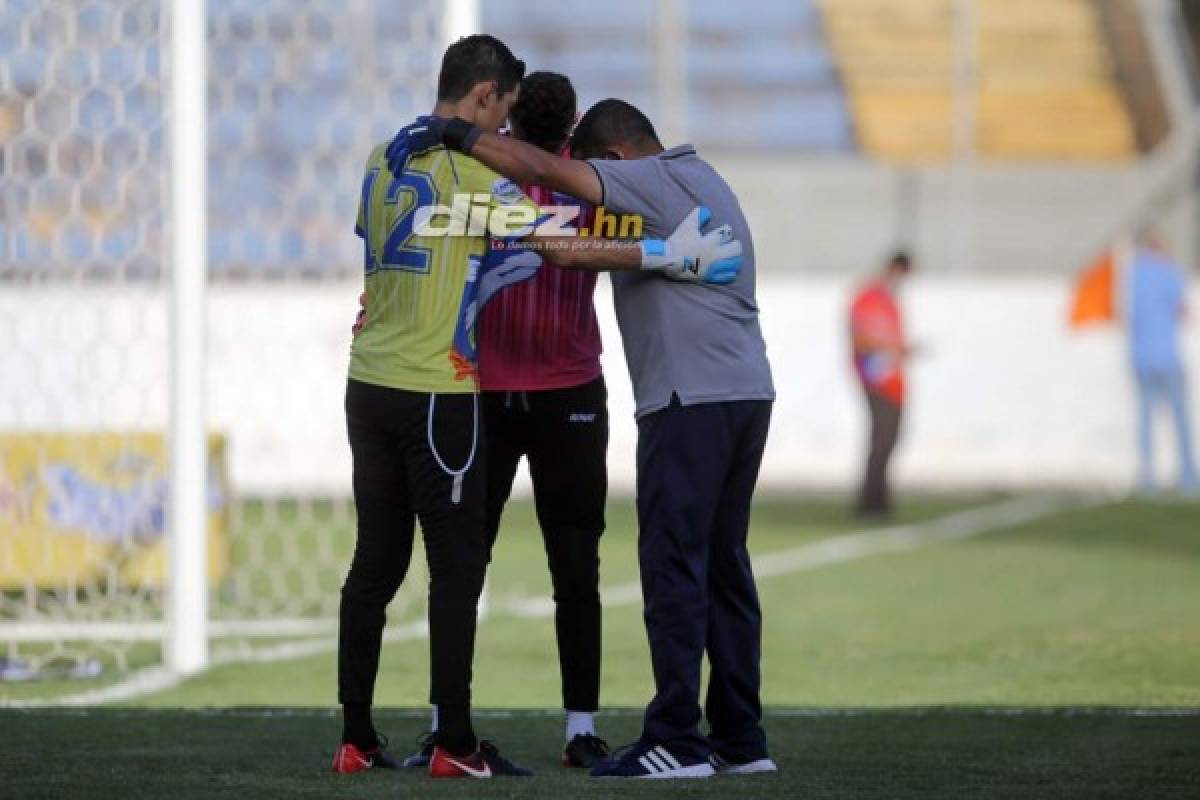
412, 407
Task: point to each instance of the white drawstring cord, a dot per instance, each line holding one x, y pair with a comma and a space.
457, 475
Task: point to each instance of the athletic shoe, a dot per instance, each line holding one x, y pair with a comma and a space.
350, 758
585, 750
424, 753
486, 762
646, 760
753, 767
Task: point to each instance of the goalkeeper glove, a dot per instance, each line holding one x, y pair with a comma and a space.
691, 255
426, 133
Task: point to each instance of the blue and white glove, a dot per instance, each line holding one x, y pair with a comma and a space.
400, 148
504, 268
426, 133
689, 254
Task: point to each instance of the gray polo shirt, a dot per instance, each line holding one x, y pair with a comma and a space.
702, 343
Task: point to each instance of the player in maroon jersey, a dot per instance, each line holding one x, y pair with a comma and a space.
544, 398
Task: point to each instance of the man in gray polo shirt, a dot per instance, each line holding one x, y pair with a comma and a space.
704, 392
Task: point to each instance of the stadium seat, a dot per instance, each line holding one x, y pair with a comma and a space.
1047, 88
766, 79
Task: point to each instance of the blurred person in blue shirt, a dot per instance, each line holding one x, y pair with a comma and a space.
1155, 308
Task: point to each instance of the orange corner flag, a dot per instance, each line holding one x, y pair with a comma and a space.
1094, 300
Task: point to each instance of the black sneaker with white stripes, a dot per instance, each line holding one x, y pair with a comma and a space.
646, 760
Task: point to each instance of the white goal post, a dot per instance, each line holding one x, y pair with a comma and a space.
187, 590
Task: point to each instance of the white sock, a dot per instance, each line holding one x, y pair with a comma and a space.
433, 722
580, 722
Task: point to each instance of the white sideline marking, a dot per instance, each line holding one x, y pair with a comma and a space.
159, 679
289, 651
833, 550
856, 545
142, 681
154, 631
899, 538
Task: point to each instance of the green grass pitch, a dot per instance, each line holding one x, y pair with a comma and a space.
880, 754
989, 666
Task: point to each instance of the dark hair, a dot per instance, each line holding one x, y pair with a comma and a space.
545, 110
475, 59
609, 123
900, 259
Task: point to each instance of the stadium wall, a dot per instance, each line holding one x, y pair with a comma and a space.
1005, 394
840, 215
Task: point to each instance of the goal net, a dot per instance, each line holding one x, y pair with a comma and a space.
297, 92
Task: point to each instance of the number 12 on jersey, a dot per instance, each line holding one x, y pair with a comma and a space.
404, 195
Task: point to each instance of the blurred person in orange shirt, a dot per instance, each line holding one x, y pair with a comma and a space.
880, 350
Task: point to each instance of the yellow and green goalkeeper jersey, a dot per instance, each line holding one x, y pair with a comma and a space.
420, 289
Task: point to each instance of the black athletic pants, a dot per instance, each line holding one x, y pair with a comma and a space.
697, 467
876, 495
402, 466
564, 434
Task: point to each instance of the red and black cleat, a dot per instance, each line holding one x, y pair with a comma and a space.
486, 762
350, 759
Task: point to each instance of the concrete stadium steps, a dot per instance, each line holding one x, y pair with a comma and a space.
1047, 87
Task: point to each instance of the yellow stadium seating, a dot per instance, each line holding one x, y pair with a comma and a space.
1045, 89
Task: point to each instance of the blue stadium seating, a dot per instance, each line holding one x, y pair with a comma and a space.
760, 78
289, 110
